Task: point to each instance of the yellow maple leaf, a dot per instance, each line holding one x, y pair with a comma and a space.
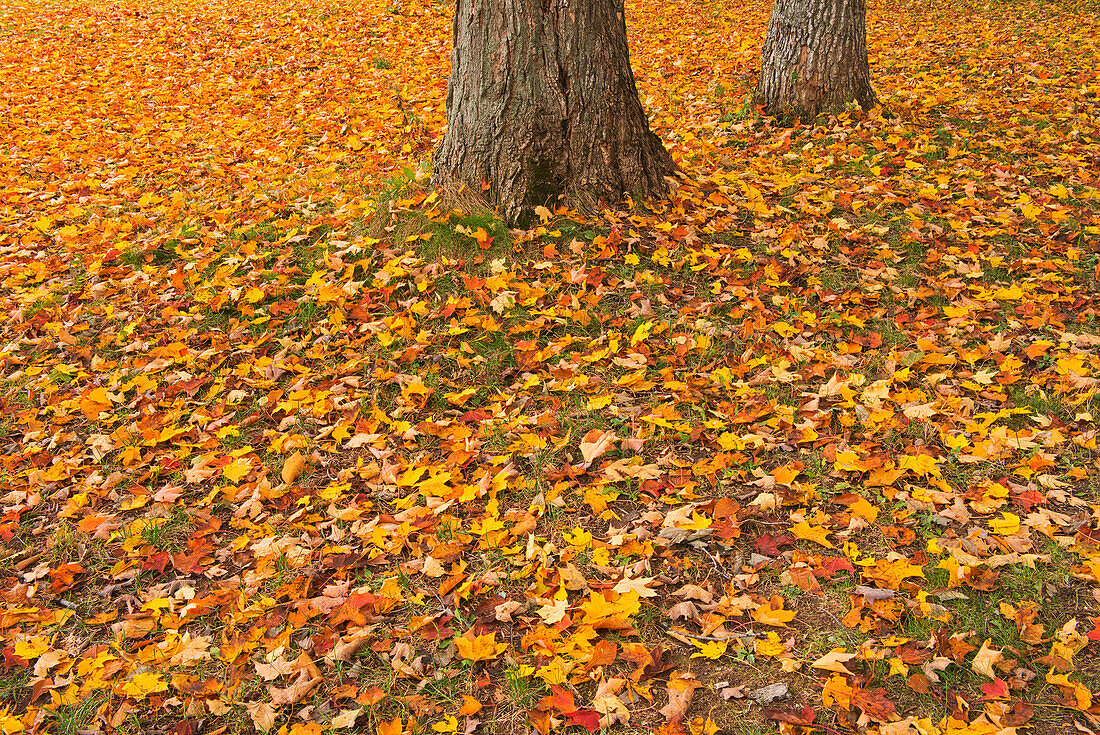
449, 723
9, 723
863, 509
709, 649
142, 685
30, 649
773, 646
461, 397
601, 607
478, 647
837, 691
772, 613
595, 403
730, 442
888, 573
237, 470
816, 534
922, 465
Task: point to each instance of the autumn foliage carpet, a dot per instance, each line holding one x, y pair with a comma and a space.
291, 445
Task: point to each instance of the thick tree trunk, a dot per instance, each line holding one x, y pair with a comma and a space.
542, 102
815, 57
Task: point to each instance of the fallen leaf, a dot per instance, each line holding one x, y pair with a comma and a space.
478, 647
834, 661
681, 687
292, 468
596, 443
262, 715
294, 693
985, 658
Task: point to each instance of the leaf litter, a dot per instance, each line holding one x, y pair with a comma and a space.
277, 457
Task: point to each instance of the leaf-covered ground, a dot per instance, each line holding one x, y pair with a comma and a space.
812, 444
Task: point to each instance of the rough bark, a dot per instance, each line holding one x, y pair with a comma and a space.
815, 57
542, 102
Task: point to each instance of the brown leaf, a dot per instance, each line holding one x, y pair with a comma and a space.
596, 443
295, 692
919, 683
874, 704
803, 717
984, 660
683, 610
262, 714
680, 689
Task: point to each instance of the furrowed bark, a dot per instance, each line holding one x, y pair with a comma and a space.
814, 57
542, 102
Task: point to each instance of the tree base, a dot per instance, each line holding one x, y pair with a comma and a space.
542, 104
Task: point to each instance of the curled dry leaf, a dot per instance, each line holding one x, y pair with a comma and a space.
292, 468
681, 687
296, 691
683, 610
596, 443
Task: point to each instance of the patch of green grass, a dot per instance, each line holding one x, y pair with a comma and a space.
523, 690
15, 686
70, 719
1039, 401
166, 534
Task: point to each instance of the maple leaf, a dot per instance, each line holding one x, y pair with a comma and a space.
772, 646
874, 704
709, 649
553, 612
889, 573
772, 613
262, 714
478, 647
1006, 525
449, 724
985, 658
142, 685
391, 727
816, 534
587, 718
638, 585
191, 650
237, 470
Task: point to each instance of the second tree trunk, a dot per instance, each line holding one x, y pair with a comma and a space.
815, 57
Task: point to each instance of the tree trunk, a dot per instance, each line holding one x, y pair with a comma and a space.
815, 57
542, 102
